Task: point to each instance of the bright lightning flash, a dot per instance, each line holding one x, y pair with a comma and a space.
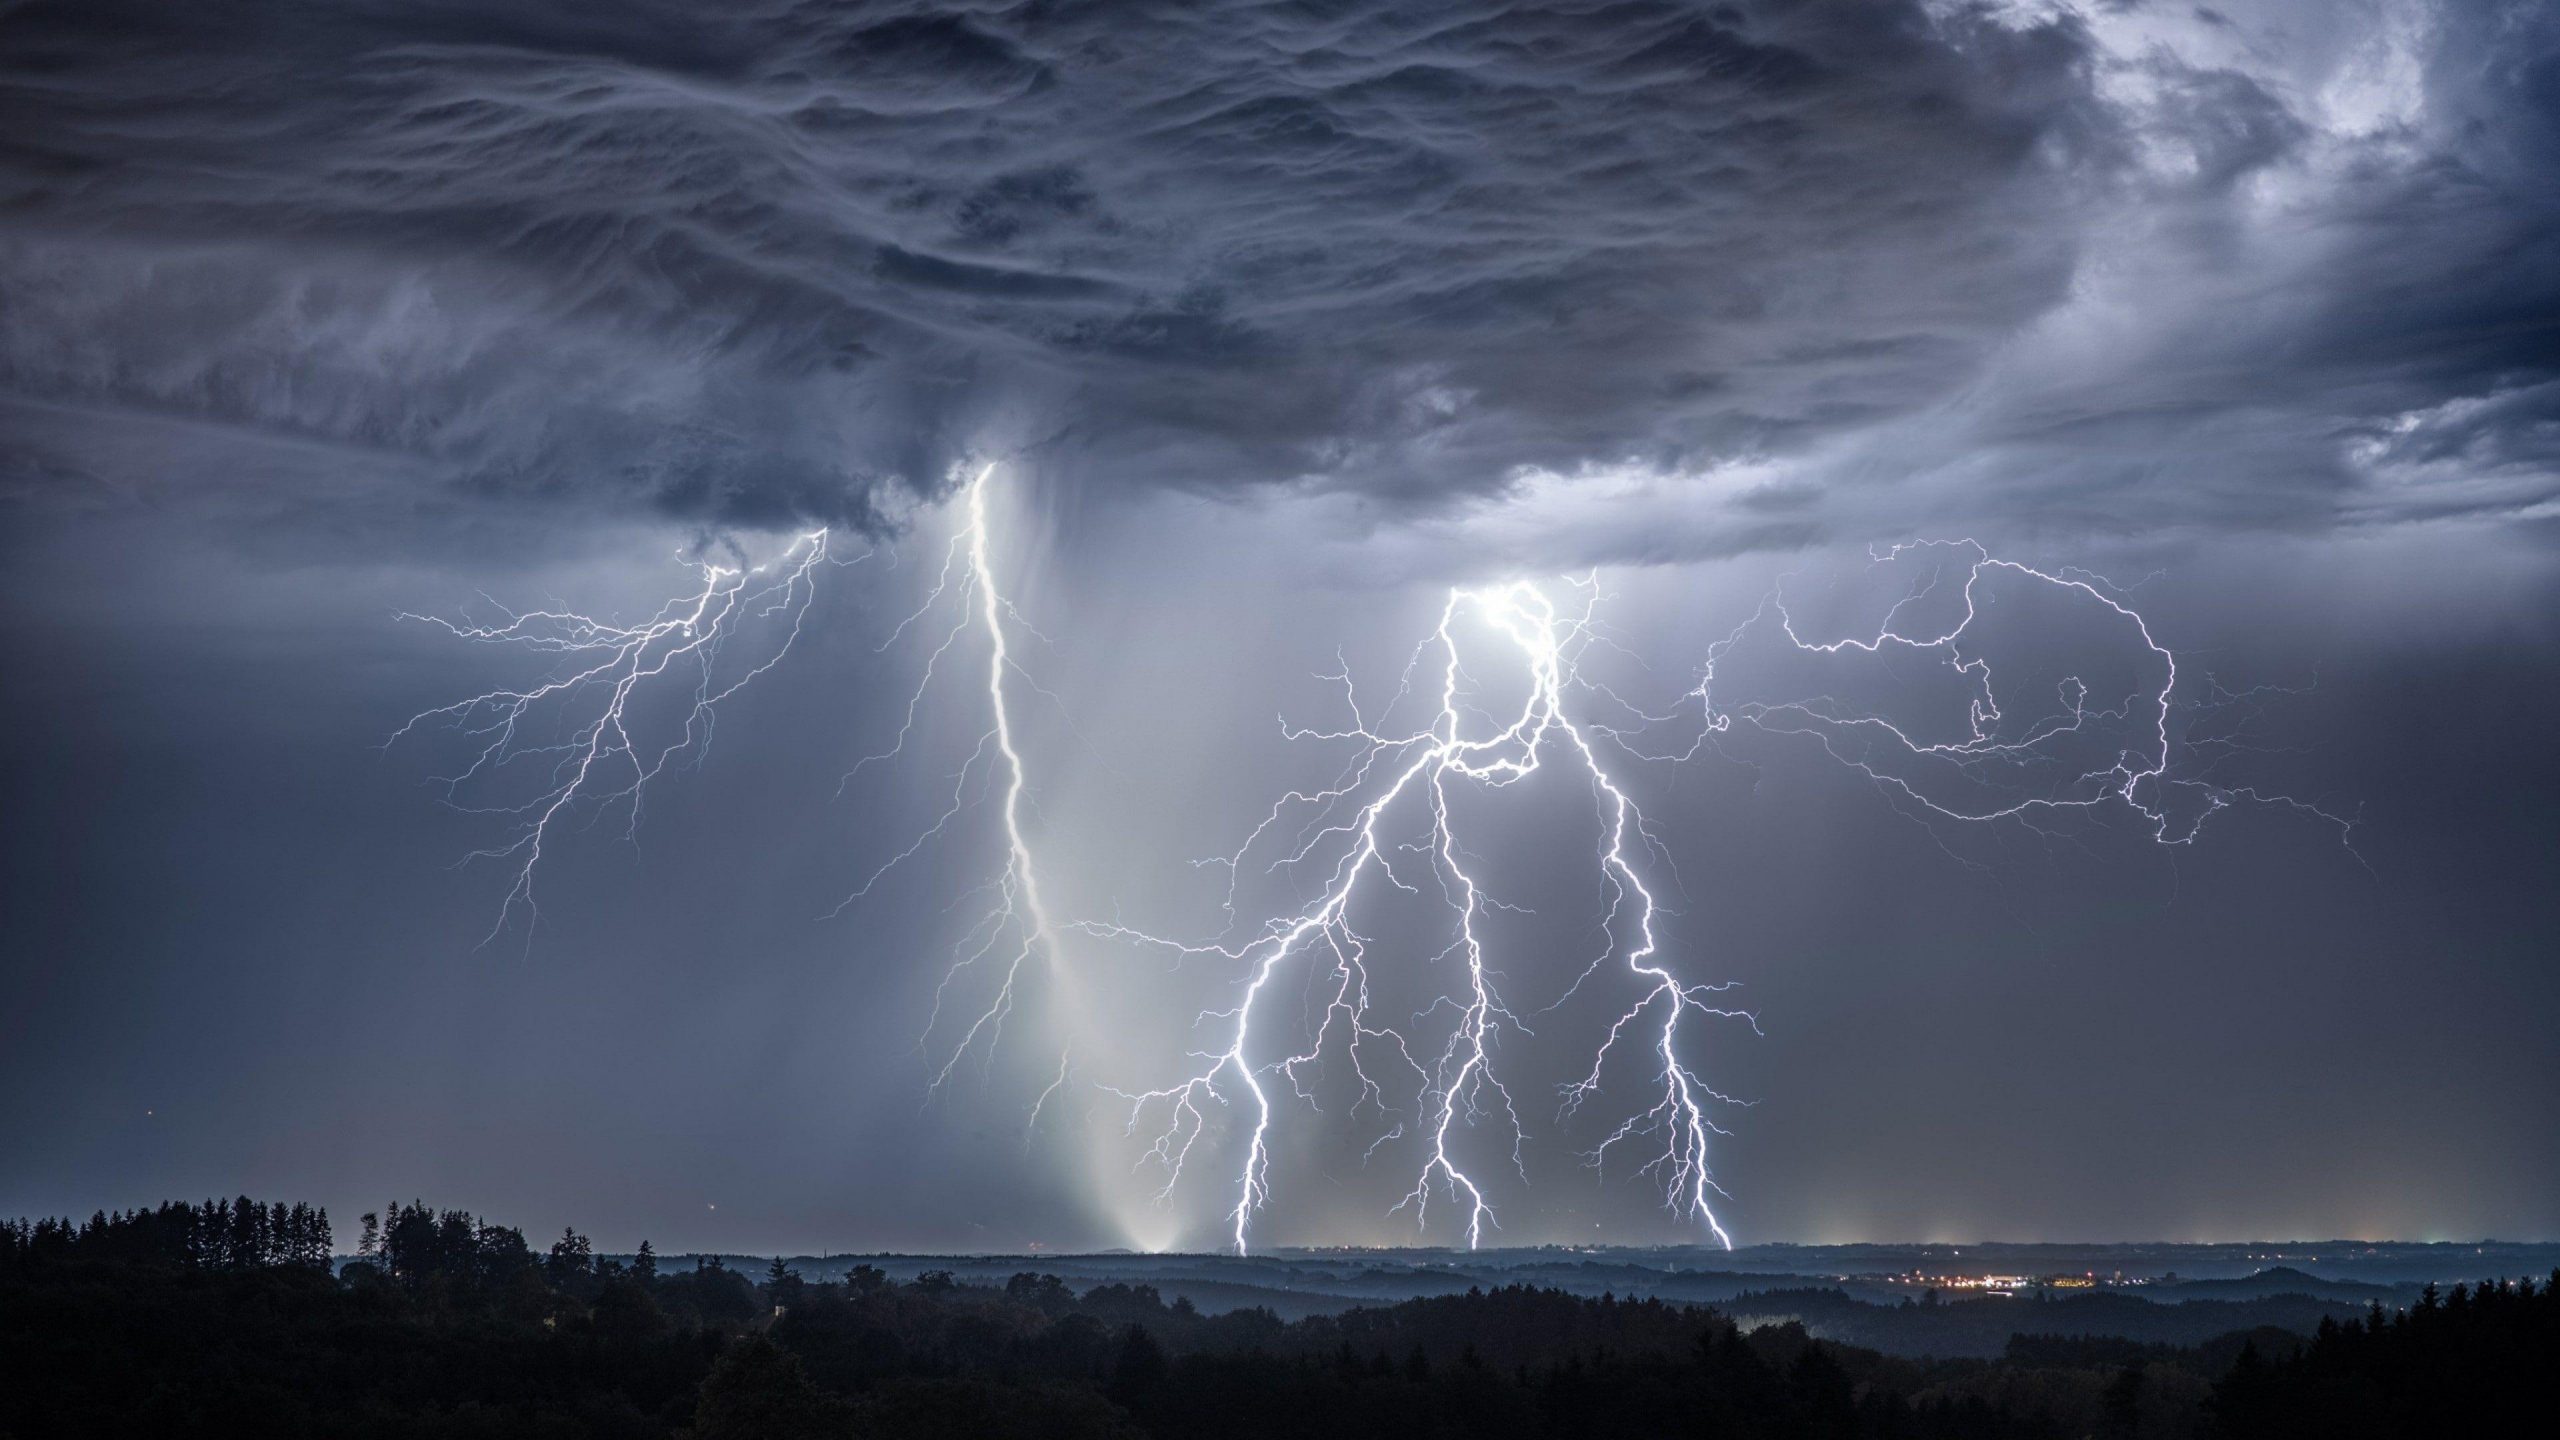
577, 734
1016, 924
1343, 832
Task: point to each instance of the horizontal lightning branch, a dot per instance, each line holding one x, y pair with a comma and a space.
1386, 831
1344, 833
2141, 776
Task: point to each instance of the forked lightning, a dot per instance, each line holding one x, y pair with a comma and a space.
575, 733
1458, 1086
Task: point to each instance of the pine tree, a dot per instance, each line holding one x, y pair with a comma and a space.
572, 1258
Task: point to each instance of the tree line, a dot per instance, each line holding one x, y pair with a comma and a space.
217, 1319
216, 1235
2442, 1366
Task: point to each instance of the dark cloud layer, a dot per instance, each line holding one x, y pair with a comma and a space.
315, 313
743, 263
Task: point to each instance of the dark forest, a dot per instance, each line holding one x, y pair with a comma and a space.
232, 1317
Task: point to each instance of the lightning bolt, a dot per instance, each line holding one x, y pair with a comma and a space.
1016, 925
575, 734
1343, 831
1385, 832
2141, 776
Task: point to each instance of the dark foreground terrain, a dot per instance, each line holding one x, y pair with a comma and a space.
233, 1318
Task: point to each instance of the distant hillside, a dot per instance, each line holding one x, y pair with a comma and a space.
1863, 1313
2286, 1280
1981, 1328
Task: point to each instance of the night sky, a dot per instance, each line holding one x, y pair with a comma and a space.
1277, 321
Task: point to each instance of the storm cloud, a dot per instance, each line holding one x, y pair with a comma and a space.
1280, 318
767, 263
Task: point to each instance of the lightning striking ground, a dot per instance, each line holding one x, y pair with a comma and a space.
1456, 1087
1432, 1083
574, 733
1343, 832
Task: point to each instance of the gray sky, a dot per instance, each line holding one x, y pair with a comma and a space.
1277, 321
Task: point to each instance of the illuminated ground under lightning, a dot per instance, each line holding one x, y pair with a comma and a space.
575, 731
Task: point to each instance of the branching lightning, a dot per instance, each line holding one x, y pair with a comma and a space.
1457, 1085
1343, 832
1389, 830
1016, 925
2141, 775
575, 732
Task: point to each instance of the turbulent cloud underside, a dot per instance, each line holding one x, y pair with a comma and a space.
772, 262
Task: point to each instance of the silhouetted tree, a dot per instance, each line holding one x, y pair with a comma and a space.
2478, 1350
2120, 1407
1138, 1372
210, 1318
759, 1392
572, 1260
782, 1288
